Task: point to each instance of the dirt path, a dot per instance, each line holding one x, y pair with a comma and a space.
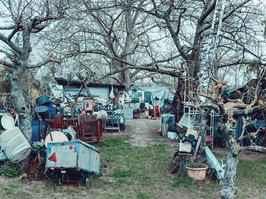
143, 131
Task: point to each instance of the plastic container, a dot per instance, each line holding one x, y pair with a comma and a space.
198, 173
2, 112
172, 135
15, 145
7, 121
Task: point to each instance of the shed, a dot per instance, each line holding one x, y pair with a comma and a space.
98, 90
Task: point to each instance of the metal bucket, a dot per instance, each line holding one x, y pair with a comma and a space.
15, 145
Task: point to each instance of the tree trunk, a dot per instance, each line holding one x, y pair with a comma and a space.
227, 184
125, 79
228, 189
19, 103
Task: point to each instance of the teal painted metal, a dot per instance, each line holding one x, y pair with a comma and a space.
73, 155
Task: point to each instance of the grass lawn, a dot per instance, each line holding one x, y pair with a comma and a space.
140, 173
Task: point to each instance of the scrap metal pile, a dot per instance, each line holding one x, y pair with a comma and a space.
226, 117
55, 151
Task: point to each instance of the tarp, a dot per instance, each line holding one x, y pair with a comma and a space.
102, 92
160, 92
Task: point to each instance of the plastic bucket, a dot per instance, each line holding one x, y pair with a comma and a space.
197, 173
15, 145
7, 121
2, 112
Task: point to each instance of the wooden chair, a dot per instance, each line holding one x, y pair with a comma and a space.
89, 128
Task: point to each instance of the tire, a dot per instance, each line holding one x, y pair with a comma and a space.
58, 179
84, 178
261, 141
179, 164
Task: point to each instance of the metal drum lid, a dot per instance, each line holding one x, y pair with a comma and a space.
7, 121
55, 136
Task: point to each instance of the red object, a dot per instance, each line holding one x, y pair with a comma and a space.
156, 112
175, 163
70, 147
52, 157
84, 112
209, 138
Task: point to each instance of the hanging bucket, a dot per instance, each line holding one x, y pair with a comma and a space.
7, 121
15, 145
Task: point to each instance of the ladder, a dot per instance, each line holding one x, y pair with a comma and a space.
212, 45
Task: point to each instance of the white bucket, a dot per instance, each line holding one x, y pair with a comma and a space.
7, 121
15, 145
172, 135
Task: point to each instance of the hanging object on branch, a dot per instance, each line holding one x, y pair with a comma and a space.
112, 95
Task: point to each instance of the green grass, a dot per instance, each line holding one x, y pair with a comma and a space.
140, 173
132, 164
12, 189
254, 171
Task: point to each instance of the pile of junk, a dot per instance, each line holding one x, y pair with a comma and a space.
57, 154
198, 133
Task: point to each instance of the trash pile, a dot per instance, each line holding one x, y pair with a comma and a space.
56, 154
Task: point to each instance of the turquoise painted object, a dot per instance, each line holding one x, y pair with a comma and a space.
73, 155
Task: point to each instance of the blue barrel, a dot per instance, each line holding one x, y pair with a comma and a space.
42, 111
41, 100
35, 126
51, 108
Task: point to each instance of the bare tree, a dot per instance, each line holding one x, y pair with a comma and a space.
20, 21
189, 24
113, 40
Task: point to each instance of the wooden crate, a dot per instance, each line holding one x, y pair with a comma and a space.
89, 129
